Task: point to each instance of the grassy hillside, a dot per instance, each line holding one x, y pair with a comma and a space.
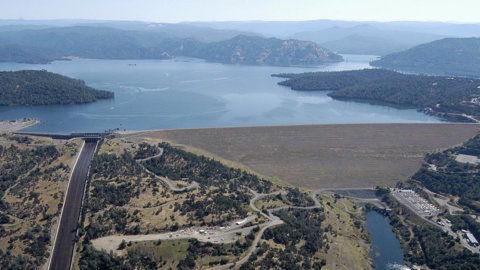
30, 87
34, 175
450, 56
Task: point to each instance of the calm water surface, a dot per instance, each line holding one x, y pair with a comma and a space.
189, 93
386, 251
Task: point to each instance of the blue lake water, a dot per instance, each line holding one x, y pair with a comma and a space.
386, 250
189, 93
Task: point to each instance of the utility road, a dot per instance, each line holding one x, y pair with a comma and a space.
67, 230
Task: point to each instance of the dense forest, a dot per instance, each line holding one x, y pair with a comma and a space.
24, 54
450, 56
452, 177
31, 87
46, 45
446, 97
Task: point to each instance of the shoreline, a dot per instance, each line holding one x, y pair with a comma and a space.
13, 126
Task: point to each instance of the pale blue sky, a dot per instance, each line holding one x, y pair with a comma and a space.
221, 10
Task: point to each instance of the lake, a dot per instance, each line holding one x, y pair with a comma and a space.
190, 93
386, 253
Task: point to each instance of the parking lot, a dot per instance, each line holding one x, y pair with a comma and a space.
413, 201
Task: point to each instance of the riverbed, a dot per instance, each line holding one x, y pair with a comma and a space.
386, 251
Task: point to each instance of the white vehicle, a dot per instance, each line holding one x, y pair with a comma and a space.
240, 222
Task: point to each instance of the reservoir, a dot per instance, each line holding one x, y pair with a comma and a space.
190, 93
386, 253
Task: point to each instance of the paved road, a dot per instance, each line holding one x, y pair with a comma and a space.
273, 221
65, 240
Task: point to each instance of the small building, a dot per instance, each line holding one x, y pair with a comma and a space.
471, 239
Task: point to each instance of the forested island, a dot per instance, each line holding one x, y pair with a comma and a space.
47, 45
452, 99
450, 56
33, 87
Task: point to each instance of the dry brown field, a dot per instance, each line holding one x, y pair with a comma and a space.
323, 156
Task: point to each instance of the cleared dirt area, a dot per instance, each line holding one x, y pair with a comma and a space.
15, 125
467, 159
323, 156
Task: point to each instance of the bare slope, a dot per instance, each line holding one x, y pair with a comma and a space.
327, 156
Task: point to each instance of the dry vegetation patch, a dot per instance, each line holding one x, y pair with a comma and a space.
34, 174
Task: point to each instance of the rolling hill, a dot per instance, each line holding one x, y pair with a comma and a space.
365, 39
46, 45
32, 87
262, 51
450, 56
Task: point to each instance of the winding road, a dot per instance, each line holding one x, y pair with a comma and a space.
167, 182
225, 235
273, 221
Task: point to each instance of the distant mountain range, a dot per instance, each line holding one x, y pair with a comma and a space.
284, 29
354, 37
33, 87
46, 45
450, 56
250, 42
166, 30
365, 39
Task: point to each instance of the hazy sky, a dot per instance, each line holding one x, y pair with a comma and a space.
220, 10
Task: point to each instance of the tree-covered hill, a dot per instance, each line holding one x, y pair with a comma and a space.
46, 45
20, 54
454, 99
266, 51
450, 56
31, 87
452, 177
